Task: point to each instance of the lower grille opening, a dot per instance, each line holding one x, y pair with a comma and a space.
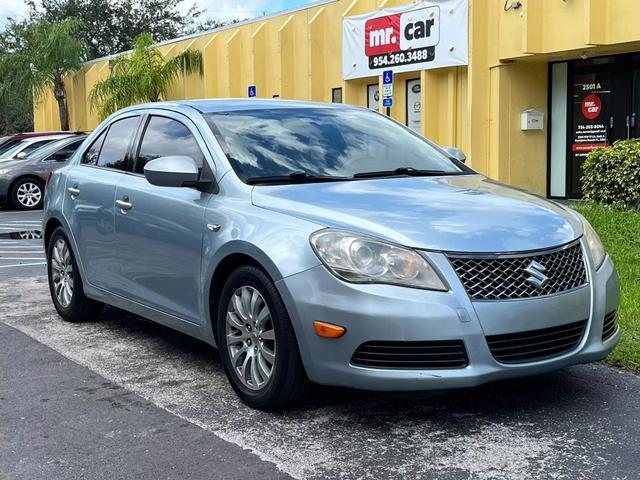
411, 355
610, 325
534, 345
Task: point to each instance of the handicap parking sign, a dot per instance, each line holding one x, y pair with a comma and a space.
387, 102
387, 77
252, 91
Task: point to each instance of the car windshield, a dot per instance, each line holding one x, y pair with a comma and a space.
27, 146
316, 142
47, 149
5, 150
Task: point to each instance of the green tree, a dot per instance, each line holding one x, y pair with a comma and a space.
111, 27
16, 110
142, 75
43, 56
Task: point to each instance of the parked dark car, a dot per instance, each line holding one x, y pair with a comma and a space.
9, 141
22, 180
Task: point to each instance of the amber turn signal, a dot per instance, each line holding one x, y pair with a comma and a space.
328, 330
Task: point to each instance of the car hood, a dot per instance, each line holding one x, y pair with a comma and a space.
464, 213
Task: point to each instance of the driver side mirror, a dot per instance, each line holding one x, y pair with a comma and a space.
21, 156
455, 153
172, 171
60, 157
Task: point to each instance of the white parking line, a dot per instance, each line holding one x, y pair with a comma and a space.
35, 252
22, 264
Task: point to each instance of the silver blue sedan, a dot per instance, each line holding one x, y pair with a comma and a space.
323, 243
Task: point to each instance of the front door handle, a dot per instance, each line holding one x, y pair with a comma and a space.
124, 205
74, 192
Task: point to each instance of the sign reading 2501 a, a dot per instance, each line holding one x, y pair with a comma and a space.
407, 38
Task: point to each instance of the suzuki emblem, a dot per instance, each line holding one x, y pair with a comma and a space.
536, 270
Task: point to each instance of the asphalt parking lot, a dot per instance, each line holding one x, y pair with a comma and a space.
124, 398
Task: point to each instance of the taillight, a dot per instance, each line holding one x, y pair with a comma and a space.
46, 184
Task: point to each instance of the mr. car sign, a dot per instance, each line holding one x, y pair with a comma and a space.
407, 38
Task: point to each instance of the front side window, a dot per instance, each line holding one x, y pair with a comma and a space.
321, 141
164, 137
65, 152
116, 144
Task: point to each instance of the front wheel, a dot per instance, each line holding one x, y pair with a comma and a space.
257, 343
27, 194
65, 283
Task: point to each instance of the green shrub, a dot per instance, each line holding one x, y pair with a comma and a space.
612, 175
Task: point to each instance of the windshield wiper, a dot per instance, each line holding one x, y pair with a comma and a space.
294, 177
408, 171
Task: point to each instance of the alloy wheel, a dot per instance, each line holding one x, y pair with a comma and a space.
62, 273
29, 194
250, 338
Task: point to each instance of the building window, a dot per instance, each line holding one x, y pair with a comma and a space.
336, 95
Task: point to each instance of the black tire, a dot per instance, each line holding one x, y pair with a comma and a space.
23, 202
80, 308
288, 382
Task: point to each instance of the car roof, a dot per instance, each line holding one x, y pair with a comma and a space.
25, 135
236, 104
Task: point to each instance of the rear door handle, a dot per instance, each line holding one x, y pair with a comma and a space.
74, 191
124, 205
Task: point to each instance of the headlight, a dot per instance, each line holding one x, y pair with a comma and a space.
594, 242
361, 259
3, 171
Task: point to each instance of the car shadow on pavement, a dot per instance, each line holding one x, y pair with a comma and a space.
524, 396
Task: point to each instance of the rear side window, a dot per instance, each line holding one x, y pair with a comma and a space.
115, 146
164, 137
90, 157
113, 153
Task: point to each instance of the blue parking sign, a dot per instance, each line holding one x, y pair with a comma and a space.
387, 77
387, 102
252, 91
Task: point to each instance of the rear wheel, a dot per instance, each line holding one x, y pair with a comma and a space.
27, 194
65, 283
257, 343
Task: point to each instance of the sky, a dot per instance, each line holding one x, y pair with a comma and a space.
218, 9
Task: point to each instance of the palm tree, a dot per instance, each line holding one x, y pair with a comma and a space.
142, 75
45, 55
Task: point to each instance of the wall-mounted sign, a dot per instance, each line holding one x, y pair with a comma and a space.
418, 36
414, 105
251, 91
590, 114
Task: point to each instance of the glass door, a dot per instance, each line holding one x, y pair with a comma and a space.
605, 107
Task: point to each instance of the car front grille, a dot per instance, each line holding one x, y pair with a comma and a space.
535, 345
438, 354
610, 325
504, 277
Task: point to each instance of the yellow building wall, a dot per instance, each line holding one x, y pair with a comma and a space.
298, 55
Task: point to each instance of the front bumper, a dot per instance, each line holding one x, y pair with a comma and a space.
4, 188
392, 313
